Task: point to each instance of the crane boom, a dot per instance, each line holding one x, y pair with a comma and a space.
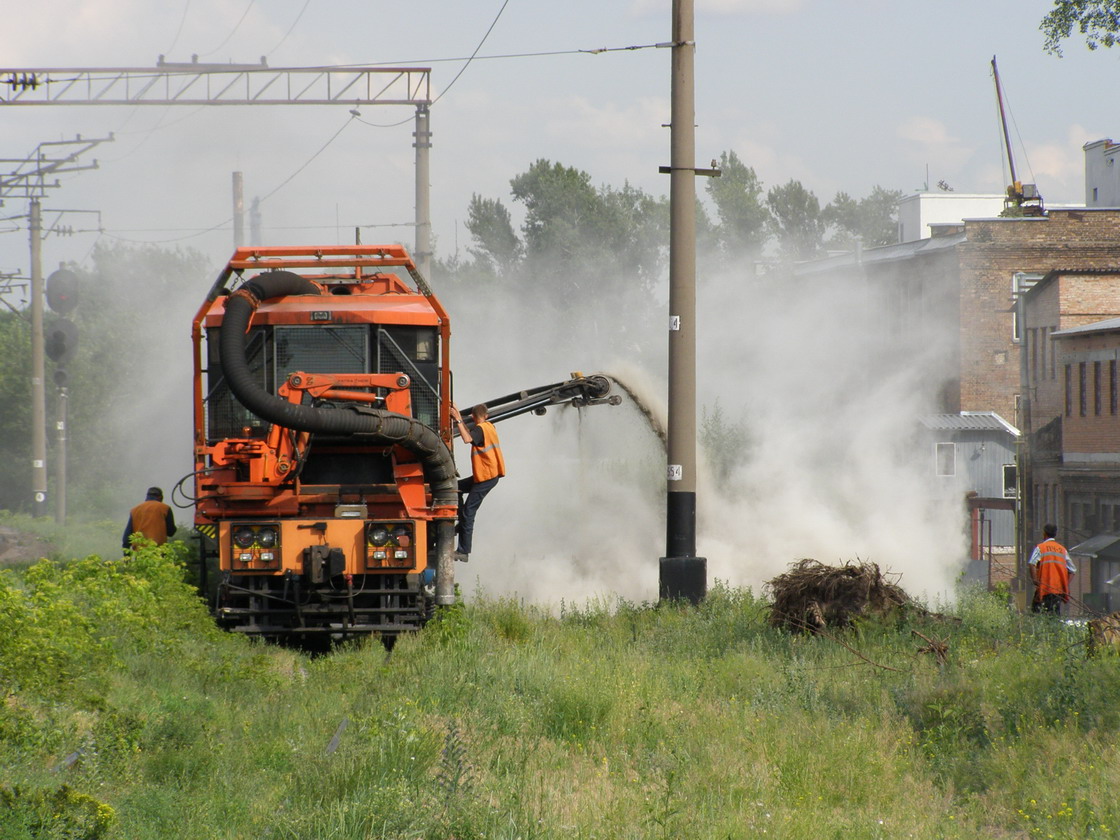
1020, 199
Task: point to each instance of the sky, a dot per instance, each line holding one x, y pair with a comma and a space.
840, 96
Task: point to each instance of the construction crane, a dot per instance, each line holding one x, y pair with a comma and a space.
1021, 199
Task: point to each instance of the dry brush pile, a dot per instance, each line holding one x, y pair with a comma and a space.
812, 596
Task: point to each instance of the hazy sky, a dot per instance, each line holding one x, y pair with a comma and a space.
841, 96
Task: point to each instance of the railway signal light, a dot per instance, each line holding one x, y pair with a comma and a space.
61, 341
62, 291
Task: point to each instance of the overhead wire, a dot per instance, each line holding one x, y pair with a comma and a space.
276, 189
179, 31
233, 31
290, 28
354, 114
463, 69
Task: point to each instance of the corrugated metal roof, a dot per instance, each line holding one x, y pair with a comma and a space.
1102, 545
968, 421
1097, 326
883, 254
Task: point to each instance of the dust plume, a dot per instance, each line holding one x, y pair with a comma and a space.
818, 407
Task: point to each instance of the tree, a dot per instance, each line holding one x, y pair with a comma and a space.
1097, 20
741, 207
15, 410
579, 239
129, 417
873, 220
796, 221
496, 246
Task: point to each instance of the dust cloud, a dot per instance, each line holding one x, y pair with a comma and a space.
818, 407
819, 410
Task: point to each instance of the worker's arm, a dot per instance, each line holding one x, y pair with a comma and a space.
458, 418
170, 523
127, 533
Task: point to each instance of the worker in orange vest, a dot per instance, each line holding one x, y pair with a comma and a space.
151, 518
1051, 570
487, 467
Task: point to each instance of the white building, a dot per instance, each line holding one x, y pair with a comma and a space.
919, 213
1102, 176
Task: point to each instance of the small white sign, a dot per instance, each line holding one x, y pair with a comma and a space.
40, 496
674, 322
676, 472
38, 464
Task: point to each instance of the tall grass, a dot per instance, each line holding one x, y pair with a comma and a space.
125, 714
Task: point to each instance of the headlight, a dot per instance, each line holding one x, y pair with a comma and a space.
244, 536
266, 537
402, 535
379, 535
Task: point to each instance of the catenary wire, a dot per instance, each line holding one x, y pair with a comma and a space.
233, 31
291, 28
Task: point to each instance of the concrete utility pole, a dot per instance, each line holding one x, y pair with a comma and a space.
240, 84
423, 144
682, 573
38, 367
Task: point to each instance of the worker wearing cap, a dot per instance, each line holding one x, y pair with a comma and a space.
487, 467
1051, 570
151, 519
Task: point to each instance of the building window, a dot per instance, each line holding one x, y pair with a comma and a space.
1112, 395
1044, 332
1021, 282
1053, 355
946, 457
1096, 388
1069, 392
1082, 389
1010, 481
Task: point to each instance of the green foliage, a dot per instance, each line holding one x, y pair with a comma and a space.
496, 246
610, 719
116, 408
1097, 20
60, 814
726, 444
741, 207
796, 221
872, 220
15, 410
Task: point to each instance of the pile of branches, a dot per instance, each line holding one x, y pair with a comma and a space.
812, 596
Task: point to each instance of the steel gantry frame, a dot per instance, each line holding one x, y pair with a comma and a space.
241, 85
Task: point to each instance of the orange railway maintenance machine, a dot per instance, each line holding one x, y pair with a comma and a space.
324, 483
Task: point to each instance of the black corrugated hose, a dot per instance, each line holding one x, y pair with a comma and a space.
382, 427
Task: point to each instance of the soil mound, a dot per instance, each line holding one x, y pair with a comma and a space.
20, 548
812, 596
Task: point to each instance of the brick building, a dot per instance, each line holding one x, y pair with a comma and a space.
1071, 409
959, 291
959, 287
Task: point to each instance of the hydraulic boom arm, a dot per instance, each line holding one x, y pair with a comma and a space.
579, 391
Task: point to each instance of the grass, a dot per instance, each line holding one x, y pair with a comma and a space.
125, 714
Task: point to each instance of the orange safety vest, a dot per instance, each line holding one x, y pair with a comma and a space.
150, 519
1053, 574
486, 460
